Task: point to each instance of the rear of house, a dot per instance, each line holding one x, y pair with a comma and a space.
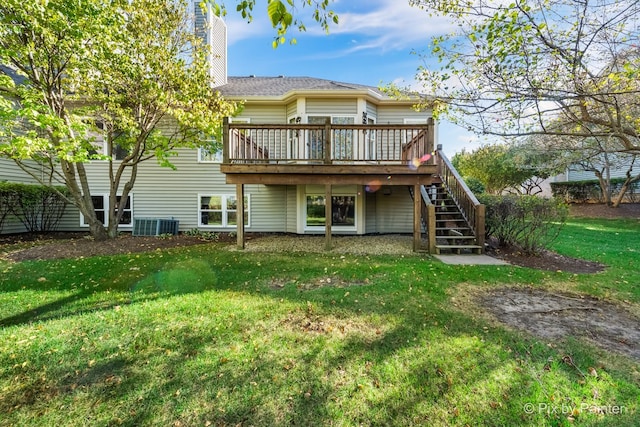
305, 156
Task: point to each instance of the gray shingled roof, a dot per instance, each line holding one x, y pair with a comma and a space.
279, 86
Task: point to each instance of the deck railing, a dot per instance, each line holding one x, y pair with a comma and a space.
469, 205
328, 143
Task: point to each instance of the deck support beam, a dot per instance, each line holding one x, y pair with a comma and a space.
417, 213
328, 212
240, 215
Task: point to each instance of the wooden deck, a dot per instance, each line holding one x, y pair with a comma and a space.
291, 154
331, 154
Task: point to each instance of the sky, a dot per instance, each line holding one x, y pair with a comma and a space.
375, 43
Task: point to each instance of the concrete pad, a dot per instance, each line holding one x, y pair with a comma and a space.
470, 259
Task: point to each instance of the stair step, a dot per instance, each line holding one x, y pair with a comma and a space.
445, 237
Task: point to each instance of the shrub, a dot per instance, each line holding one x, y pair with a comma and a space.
39, 208
203, 235
530, 223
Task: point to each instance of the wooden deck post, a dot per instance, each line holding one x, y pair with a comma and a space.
480, 226
240, 215
327, 217
417, 212
226, 143
431, 137
431, 227
327, 141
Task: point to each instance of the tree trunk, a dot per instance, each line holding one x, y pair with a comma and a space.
98, 231
605, 188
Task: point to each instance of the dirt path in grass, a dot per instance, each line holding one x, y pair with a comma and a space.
556, 316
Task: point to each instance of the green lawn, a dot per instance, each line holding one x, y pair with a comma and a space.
207, 336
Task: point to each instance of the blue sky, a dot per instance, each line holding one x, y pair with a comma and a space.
372, 45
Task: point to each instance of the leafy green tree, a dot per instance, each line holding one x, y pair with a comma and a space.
566, 68
502, 168
128, 67
283, 14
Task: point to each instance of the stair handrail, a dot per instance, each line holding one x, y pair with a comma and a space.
472, 210
428, 212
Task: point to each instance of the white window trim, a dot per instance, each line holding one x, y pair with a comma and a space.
205, 157
336, 227
105, 199
225, 211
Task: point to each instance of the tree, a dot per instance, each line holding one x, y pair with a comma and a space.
283, 15
503, 168
566, 68
127, 67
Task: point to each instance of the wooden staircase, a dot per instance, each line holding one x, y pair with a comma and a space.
454, 234
452, 218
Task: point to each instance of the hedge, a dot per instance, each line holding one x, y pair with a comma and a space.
588, 190
39, 208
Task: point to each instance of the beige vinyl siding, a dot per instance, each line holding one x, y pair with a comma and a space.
292, 209
165, 193
398, 114
372, 110
10, 172
370, 213
334, 107
394, 212
264, 113
292, 109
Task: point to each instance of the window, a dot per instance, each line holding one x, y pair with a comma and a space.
208, 154
342, 139
100, 206
342, 211
221, 210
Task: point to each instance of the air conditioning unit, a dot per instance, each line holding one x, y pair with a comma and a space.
154, 226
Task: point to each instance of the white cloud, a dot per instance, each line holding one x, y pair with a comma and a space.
382, 25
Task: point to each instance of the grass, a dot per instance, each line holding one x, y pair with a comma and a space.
207, 336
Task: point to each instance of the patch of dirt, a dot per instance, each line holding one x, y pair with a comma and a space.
546, 260
600, 210
553, 316
317, 283
24, 247
552, 261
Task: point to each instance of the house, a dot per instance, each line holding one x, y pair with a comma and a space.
305, 156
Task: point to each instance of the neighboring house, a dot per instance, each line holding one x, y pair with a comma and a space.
305, 156
619, 167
